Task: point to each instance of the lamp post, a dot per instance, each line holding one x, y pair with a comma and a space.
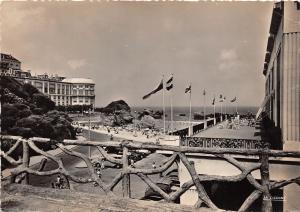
134, 123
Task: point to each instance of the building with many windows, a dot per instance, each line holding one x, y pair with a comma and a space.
63, 91
282, 72
83, 91
9, 63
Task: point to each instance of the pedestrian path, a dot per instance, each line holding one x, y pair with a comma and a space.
221, 131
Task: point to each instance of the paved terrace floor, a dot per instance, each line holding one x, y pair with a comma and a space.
221, 131
17, 197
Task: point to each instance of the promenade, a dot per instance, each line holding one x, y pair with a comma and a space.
242, 131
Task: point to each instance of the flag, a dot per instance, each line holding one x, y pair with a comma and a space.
233, 100
204, 92
213, 102
188, 89
159, 87
169, 87
169, 84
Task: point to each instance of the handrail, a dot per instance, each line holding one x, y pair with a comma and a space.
152, 146
179, 153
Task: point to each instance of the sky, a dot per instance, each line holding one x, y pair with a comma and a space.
126, 47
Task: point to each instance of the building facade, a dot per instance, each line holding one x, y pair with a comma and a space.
82, 91
63, 91
282, 72
9, 63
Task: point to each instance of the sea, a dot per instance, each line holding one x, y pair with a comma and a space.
182, 113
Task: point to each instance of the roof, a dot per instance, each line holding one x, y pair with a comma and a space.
8, 57
79, 80
274, 27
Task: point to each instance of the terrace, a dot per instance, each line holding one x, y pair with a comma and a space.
18, 195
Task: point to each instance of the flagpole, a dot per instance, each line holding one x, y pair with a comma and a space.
190, 119
225, 109
236, 107
214, 109
172, 126
164, 112
204, 106
222, 111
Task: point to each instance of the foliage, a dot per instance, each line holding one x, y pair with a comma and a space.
43, 102
55, 125
73, 108
27, 112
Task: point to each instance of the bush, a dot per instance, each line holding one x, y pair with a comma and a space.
54, 125
43, 102
28, 113
29, 89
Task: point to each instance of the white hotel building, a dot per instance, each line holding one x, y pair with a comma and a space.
63, 91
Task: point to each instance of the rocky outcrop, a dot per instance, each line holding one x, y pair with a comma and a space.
122, 118
116, 106
147, 121
117, 113
148, 112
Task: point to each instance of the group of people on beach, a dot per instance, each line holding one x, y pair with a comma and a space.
99, 166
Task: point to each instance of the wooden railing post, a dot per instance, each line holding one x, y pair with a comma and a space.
26, 160
126, 177
265, 181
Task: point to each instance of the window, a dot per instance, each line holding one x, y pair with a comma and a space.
86, 93
46, 88
67, 89
80, 92
74, 92
38, 84
51, 88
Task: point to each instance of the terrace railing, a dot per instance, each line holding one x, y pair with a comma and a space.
179, 152
222, 143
